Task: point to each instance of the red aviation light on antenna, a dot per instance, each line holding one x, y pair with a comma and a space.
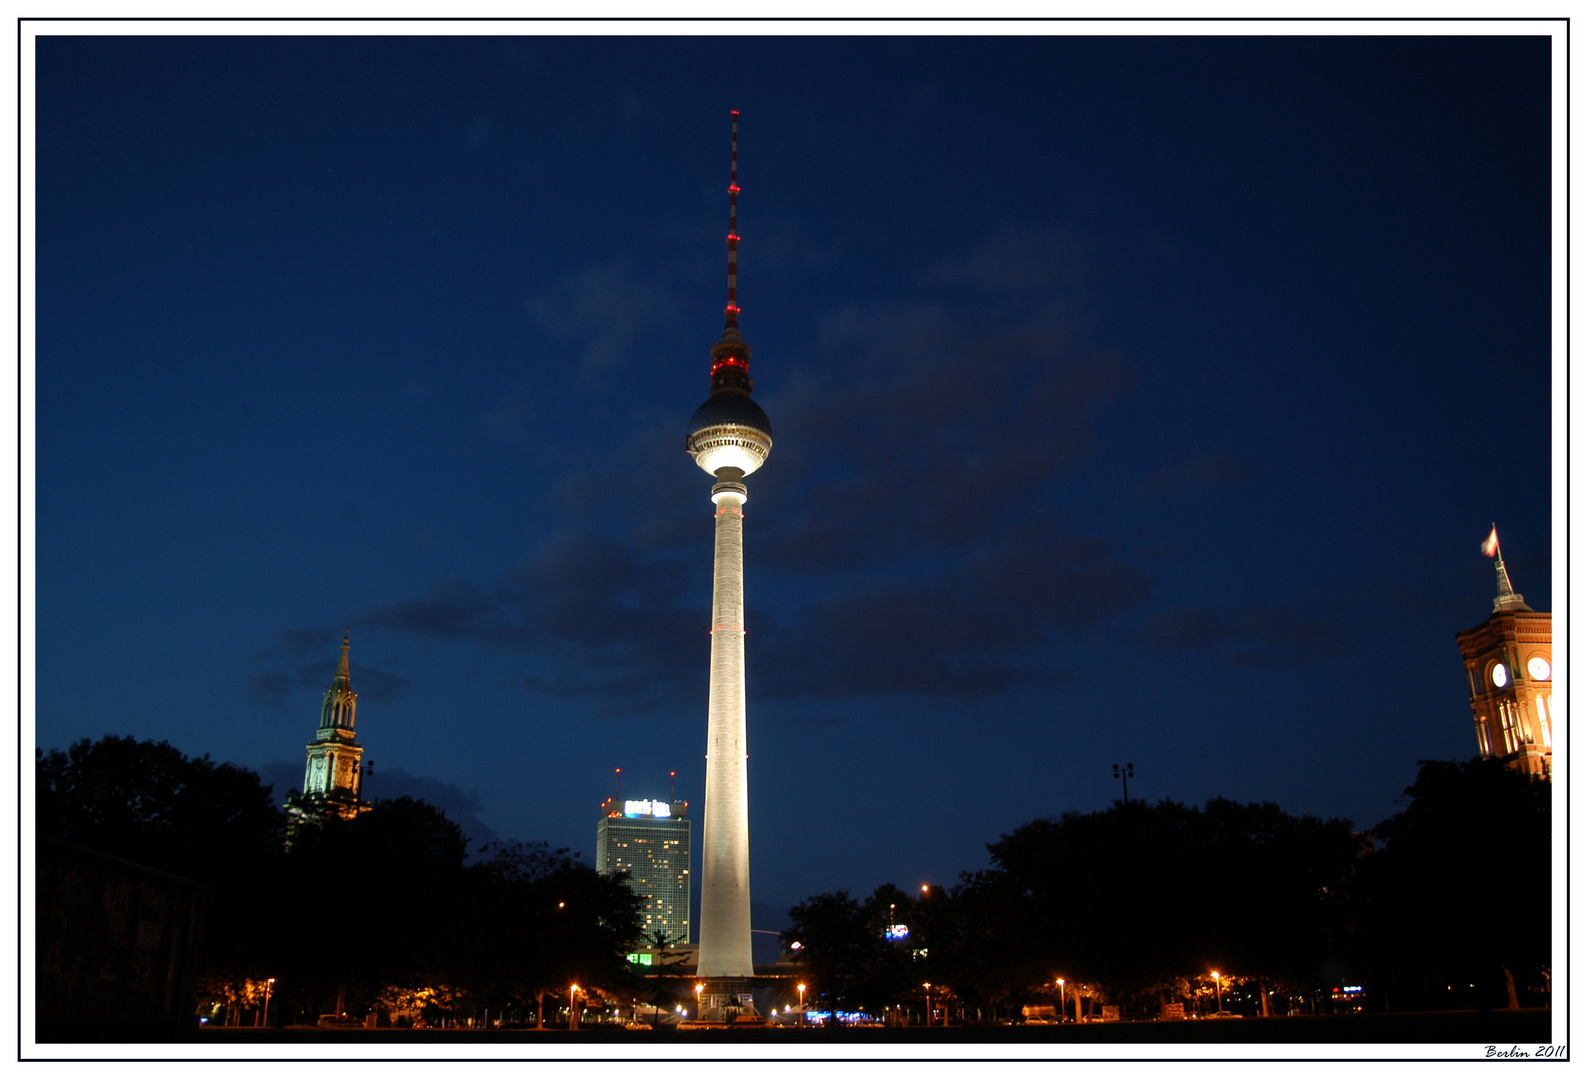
734, 188
734, 237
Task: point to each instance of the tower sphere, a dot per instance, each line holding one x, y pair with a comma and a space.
730, 431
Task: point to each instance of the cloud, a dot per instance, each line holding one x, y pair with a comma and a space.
1195, 475
595, 617
1024, 260
1248, 636
601, 311
271, 687
508, 420
904, 540
980, 627
929, 422
317, 639
370, 683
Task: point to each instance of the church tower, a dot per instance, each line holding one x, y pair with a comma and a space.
333, 774
1509, 675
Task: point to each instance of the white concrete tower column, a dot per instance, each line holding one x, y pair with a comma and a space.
725, 846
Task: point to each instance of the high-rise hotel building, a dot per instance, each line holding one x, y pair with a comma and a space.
649, 841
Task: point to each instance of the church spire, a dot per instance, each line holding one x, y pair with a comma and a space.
340, 702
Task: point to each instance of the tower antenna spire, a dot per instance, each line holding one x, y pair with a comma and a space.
617, 784
731, 312
730, 356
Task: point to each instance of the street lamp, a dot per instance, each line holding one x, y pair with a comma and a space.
264, 1017
1218, 993
801, 989
928, 998
1061, 1000
1129, 774
573, 1017
698, 988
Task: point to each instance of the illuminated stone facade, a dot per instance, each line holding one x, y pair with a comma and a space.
650, 843
1510, 676
332, 775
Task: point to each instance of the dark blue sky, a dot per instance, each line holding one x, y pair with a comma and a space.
1134, 399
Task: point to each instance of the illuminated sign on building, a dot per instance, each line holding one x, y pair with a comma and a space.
644, 959
647, 808
897, 933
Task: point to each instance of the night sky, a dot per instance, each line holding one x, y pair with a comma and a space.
1134, 399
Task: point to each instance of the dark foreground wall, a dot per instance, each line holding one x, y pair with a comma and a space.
117, 947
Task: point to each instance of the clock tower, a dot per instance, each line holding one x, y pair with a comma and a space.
1510, 677
332, 775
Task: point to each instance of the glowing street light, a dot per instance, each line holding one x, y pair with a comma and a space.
264, 1017
573, 1017
1061, 999
928, 998
1218, 992
698, 988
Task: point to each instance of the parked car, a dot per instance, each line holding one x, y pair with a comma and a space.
332, 1020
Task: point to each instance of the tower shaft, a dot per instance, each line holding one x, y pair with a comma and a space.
725, 836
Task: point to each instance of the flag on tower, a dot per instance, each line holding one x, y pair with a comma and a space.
1491, 546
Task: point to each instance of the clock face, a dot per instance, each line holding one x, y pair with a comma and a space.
1498, 676
1538, 668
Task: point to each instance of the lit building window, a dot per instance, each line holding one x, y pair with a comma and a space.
1508, 727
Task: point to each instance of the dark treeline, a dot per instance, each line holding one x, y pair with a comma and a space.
383, 912
1444, 905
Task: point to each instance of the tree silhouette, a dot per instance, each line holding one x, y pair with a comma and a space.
1459, 894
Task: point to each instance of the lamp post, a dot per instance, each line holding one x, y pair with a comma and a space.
573, 1017
1061, 1000
928, 987
801, 989
366, 769
698, 988
1218, 994
1125, 777
264, 1017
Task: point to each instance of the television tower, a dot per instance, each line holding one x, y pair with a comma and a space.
729, 437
